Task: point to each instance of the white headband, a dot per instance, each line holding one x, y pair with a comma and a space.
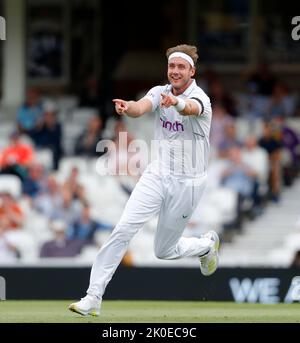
182, 55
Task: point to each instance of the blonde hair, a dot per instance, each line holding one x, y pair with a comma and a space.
190, 50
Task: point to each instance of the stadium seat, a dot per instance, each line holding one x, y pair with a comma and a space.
25, 244
10, 184
6, 128
70, 134
82, 115
3, 142
45, 157
106, 197
66, 105
294, 123
67, 163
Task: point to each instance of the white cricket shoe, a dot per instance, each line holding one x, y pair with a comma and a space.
209, 262
89, 305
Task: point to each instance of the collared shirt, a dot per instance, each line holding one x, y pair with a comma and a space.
183, 141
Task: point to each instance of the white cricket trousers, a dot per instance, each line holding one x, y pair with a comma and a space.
174, 200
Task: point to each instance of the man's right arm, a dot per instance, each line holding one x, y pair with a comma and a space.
133, 108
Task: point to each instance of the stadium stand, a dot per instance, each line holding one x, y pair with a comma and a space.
250, 225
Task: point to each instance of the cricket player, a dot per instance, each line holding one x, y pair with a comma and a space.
171, 185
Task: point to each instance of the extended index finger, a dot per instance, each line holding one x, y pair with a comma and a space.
117, 100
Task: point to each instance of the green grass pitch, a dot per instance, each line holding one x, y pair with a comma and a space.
150, 312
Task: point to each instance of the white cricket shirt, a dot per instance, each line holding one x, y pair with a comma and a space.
183, 140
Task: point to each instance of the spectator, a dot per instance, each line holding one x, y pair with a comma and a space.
8, 251
240, 178
90, 94
291, 142
229, 139
281, 102
34, 183
50, 200
11, 215
261, 81
86, 143
74, 187
219, 95
15, 158
257, 158
86, 227
296, 260
260, 84
220, 120
48, 134
70, 209
120, 128
60, 246
273, 148
206, 78
121, 158
31, 112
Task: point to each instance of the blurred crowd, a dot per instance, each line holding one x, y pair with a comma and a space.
254, 167
256, 163
65, 207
